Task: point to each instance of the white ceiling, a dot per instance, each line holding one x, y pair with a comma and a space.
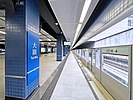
44, 36
68, 14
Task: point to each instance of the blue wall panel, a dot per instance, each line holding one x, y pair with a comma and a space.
33, 51
32, 76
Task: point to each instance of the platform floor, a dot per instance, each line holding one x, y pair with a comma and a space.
72, 84
2, 77
48, 64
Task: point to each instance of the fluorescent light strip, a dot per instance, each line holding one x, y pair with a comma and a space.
2, 32
49, 39
78, 28
82, 17
76, 34
84, 11
40, 39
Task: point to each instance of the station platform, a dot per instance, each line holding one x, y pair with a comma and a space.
65, 80
62, 80
72, 84
48, 64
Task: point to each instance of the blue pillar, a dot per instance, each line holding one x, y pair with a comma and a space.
52, 49
59, 47
46, 49
67, 49
22, 49
64, 50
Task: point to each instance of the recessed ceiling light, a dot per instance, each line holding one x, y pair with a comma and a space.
56, 23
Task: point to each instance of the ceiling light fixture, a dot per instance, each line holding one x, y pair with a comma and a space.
40, 33
56, 23
49, 39
2, 32
78, 28
40, 39
84, 10
82, 17
77, 31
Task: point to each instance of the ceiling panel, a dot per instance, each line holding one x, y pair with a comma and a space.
69, 30
68, 14
44, 36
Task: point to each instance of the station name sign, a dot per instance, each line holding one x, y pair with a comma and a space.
33, 50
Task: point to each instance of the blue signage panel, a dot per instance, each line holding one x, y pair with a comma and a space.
33, 57
32, 76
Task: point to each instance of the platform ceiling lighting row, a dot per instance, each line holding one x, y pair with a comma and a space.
82, 17
49, 39
84, 10
1, 32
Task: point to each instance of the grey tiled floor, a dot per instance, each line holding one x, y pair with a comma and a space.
72, 84
48, 64
2, 77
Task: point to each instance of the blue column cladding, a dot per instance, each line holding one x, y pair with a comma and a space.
59, 47
32, 26
46, 49
67, 49
64, 50
19, 25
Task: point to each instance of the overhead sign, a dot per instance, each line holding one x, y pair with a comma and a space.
67, 43
33, 57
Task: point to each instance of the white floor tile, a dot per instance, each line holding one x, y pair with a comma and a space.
72, 84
